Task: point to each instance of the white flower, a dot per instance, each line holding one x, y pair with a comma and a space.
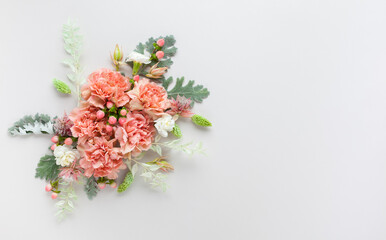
164, 125
138, 57
65, 155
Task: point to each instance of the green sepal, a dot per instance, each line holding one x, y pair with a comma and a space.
126, 182
61, 86
201, 121
177, 131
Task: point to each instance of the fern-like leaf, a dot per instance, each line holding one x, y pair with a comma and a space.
91, 187
38, 124
47, 168
195, 92
67, 197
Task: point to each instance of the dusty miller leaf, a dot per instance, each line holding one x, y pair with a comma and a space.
91, 187
195, 92
47, 168
38, 124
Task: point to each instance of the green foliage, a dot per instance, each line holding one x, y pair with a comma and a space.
168, 48
188, 148
73, 42
156, 179
126, 182
177, 131
61, 86
201, 121
196, 93
156, 148
38, 124
47, 168
67, 197
91, 187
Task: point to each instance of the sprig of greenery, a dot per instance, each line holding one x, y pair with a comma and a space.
47, 168
177, 131
38, 124
188, 148
73, 42
195, 92
91, 187
67, 197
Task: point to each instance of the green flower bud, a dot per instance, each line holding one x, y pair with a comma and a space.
201, 121
126, 182
177, 131
61, 86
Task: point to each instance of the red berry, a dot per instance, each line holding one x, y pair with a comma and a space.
54, 195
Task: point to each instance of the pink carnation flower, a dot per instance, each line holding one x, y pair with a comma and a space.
101, 159
180, 106
106, 85
136, 134
150, 97
86, 125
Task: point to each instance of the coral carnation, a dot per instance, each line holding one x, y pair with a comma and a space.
150, 97
101, 159
136, 134
106, 85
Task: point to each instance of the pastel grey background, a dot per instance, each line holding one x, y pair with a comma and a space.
297, 100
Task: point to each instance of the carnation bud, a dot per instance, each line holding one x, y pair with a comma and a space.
100, 114
118, 55
68, 141
54, 195
122, 121
136, 78
113, 185
109, 105
160, 54
55, 139
48, 187
123, 112
109, 128
101, 185
161, 42
53, 147
112, 120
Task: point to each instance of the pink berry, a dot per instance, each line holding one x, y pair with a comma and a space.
113, 185
100, 114
160, 54
53, 147
112, 120
109, 128
48, 187
54, 195
122, 121
109, 105
136, 78
55, 139
101, 185
123, 112
160, 42
68, 141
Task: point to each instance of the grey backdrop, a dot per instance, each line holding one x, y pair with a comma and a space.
297, 99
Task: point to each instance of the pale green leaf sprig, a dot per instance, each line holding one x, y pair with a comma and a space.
188, 148
37, 124
61, 86
150, 174
73, 42
67, 196
201, 121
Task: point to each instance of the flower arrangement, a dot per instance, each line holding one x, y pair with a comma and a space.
120, 115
